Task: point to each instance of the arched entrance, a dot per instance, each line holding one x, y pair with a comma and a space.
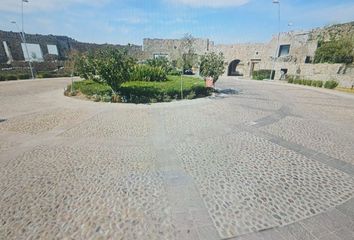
233, 68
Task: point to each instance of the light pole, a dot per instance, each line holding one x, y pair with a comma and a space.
23, 38
278, 40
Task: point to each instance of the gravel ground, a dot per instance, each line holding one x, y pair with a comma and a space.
274, 161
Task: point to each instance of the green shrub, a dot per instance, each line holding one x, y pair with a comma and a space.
337, 51
148, 73
24, 76
11, 77
331, 84
144, 92
90, 88
191, 95
312, 83
261, 74
297, 81
96, 98
161, 62
317, 84
106, 98
307, 82
2, 78
175, 72
45, 75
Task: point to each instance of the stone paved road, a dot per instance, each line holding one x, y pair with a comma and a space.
272, 162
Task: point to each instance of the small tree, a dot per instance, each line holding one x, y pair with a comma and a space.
85, 66
188, 58
109, 65
114, 67
212, 65
70, 63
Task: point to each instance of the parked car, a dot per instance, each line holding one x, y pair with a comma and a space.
188, 72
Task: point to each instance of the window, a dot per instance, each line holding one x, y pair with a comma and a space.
34, 52
160, 55
52, 49
308, 59
284, 50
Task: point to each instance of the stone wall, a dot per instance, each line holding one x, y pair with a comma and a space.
173, 48
303, 46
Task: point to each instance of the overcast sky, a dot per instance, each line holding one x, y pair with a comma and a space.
129, 21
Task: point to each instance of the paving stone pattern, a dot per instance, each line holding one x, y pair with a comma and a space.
274, 161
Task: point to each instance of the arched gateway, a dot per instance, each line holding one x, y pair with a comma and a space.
232, 71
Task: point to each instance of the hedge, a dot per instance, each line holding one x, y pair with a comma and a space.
261, 74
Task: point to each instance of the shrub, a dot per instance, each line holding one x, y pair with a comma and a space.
261, 74
308, 82
24, 76
96, 98
116, 98
331, 84
337, 51
148, 74
11, 77
212, 65
106, 98
144, 92
299, 81
317, 84
175, 72
45, 75
290, 80
91, 88
2, 78
161, 62
191, 95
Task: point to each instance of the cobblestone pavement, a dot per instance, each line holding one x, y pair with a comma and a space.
272, 162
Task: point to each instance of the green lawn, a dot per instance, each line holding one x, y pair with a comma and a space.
148, 92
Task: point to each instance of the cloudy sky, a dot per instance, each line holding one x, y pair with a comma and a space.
129, 21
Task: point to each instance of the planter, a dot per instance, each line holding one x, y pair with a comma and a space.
209, 82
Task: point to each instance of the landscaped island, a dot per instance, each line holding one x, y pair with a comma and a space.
113, 76
143, 91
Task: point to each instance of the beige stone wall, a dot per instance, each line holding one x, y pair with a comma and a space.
173, 48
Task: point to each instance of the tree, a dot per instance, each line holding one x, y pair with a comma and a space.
108, 65
70, 63
188, 57
86, 67
114, 67
212, 65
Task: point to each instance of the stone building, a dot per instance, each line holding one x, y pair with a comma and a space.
293, 57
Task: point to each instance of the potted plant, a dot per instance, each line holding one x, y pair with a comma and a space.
211, 68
